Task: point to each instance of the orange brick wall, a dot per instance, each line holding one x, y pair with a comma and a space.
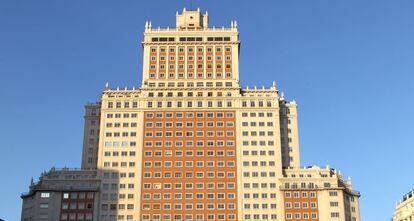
224, 125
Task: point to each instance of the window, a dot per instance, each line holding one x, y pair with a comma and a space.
333, 193
335, 215
44, 205
45, 195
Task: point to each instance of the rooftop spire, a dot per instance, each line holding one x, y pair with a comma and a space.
191, 19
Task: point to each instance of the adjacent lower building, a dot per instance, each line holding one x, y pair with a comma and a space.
190, 143
404, 210
315, 193
62, 194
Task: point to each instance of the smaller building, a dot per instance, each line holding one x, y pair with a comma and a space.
62, 194
315, 193
404, 210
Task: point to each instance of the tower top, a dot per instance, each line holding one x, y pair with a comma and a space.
191, 19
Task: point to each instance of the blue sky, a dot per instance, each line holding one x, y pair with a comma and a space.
348, 64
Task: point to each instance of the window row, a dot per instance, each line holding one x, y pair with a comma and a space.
119, 134
190, 84
302, 185
190, 115
256, 104
259, 195
116, 175
160, 104
260, 206
256, 153
259, 174
187, 196
301, 215
117, 164
334, 204
189, 217
188, 66
190, 104
115, 196
190, 153
116, 206
260, 216
257, 163
190, 206
112, 217
189, 124
257, 133
118, 115
148, 164
116, 186
208, 174
336, 215
178, 186
191, 143
77, 206
200, 133
119, 153
298, 205
258, 143
189, 48
119, 124
333, 193
191, 58
76, 216
187, 153
106, 207
44, 195
191, 94
255, 124
255, 114
256, 185
296, 194
120, 143
80, 195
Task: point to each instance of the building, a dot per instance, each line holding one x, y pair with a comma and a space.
190, 143
90, 136
318, 193
404, 210
62, 194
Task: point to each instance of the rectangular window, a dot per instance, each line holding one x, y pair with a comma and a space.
45, 195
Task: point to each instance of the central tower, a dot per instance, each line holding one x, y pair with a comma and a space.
195, 145
192, 53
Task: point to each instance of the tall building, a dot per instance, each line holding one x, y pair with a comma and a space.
191, 144
404, 210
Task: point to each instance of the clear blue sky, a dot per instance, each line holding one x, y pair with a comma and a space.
349, 64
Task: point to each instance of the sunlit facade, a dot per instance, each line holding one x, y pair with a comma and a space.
190, 143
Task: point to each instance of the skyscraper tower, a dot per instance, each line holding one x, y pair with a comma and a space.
199, 137
191, 144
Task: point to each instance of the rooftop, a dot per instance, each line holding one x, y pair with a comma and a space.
64, 179
407, 196
190, 20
